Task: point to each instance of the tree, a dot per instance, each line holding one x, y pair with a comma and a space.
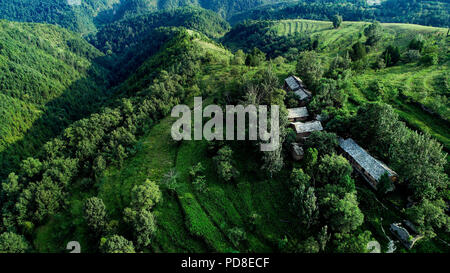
391, 55
337, 21
255, 58
373, 32
224, 164
305, 206
418, 43
239, 57
298, 178
310, 245
95, 214
273, 161
170, 179
352, 243
358, 51
13, 243
343, 214
323, 237
324, 142
309, 67
334, 169
116, 244
31, 166
145, 196
430, 216
144, 225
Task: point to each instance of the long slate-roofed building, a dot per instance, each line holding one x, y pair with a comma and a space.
369, 167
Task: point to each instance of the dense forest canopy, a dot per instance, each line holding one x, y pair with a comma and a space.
90, 14
49, 78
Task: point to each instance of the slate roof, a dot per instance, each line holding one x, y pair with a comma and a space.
293, 83
374, 167
296, 85
300, 112
307, 127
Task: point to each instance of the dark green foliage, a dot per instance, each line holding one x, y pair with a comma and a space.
46, 84
116, 244
391, 55
417, 158
335, 169
130, 32
373, 33
224, 164
324, 142
352, 243
310, 69
143, 224
95, 214
13, 243
146, 195
237, 236
197, 175
255, 57
259, 34
328, 94
336, 20
430, 13
358, 51
417, 43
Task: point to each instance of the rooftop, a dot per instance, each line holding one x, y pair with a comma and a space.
293, 83
300, 112
374, 167
307, 127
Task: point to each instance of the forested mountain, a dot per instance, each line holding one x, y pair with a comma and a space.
118, 36
75, 15
430, 13
48, 78
129, 42
86, 15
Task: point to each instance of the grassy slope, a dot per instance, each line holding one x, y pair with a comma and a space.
188, 221
191, 221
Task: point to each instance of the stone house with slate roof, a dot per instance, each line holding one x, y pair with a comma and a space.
370, 168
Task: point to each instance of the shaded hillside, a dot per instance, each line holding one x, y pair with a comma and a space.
72, 14
86, 16
118, 36
49, 78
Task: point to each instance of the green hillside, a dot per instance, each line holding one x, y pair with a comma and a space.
429, 13
49, 78
118, 36
86, 16
86, 152
414, 84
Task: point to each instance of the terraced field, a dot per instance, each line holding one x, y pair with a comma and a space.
349, 32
